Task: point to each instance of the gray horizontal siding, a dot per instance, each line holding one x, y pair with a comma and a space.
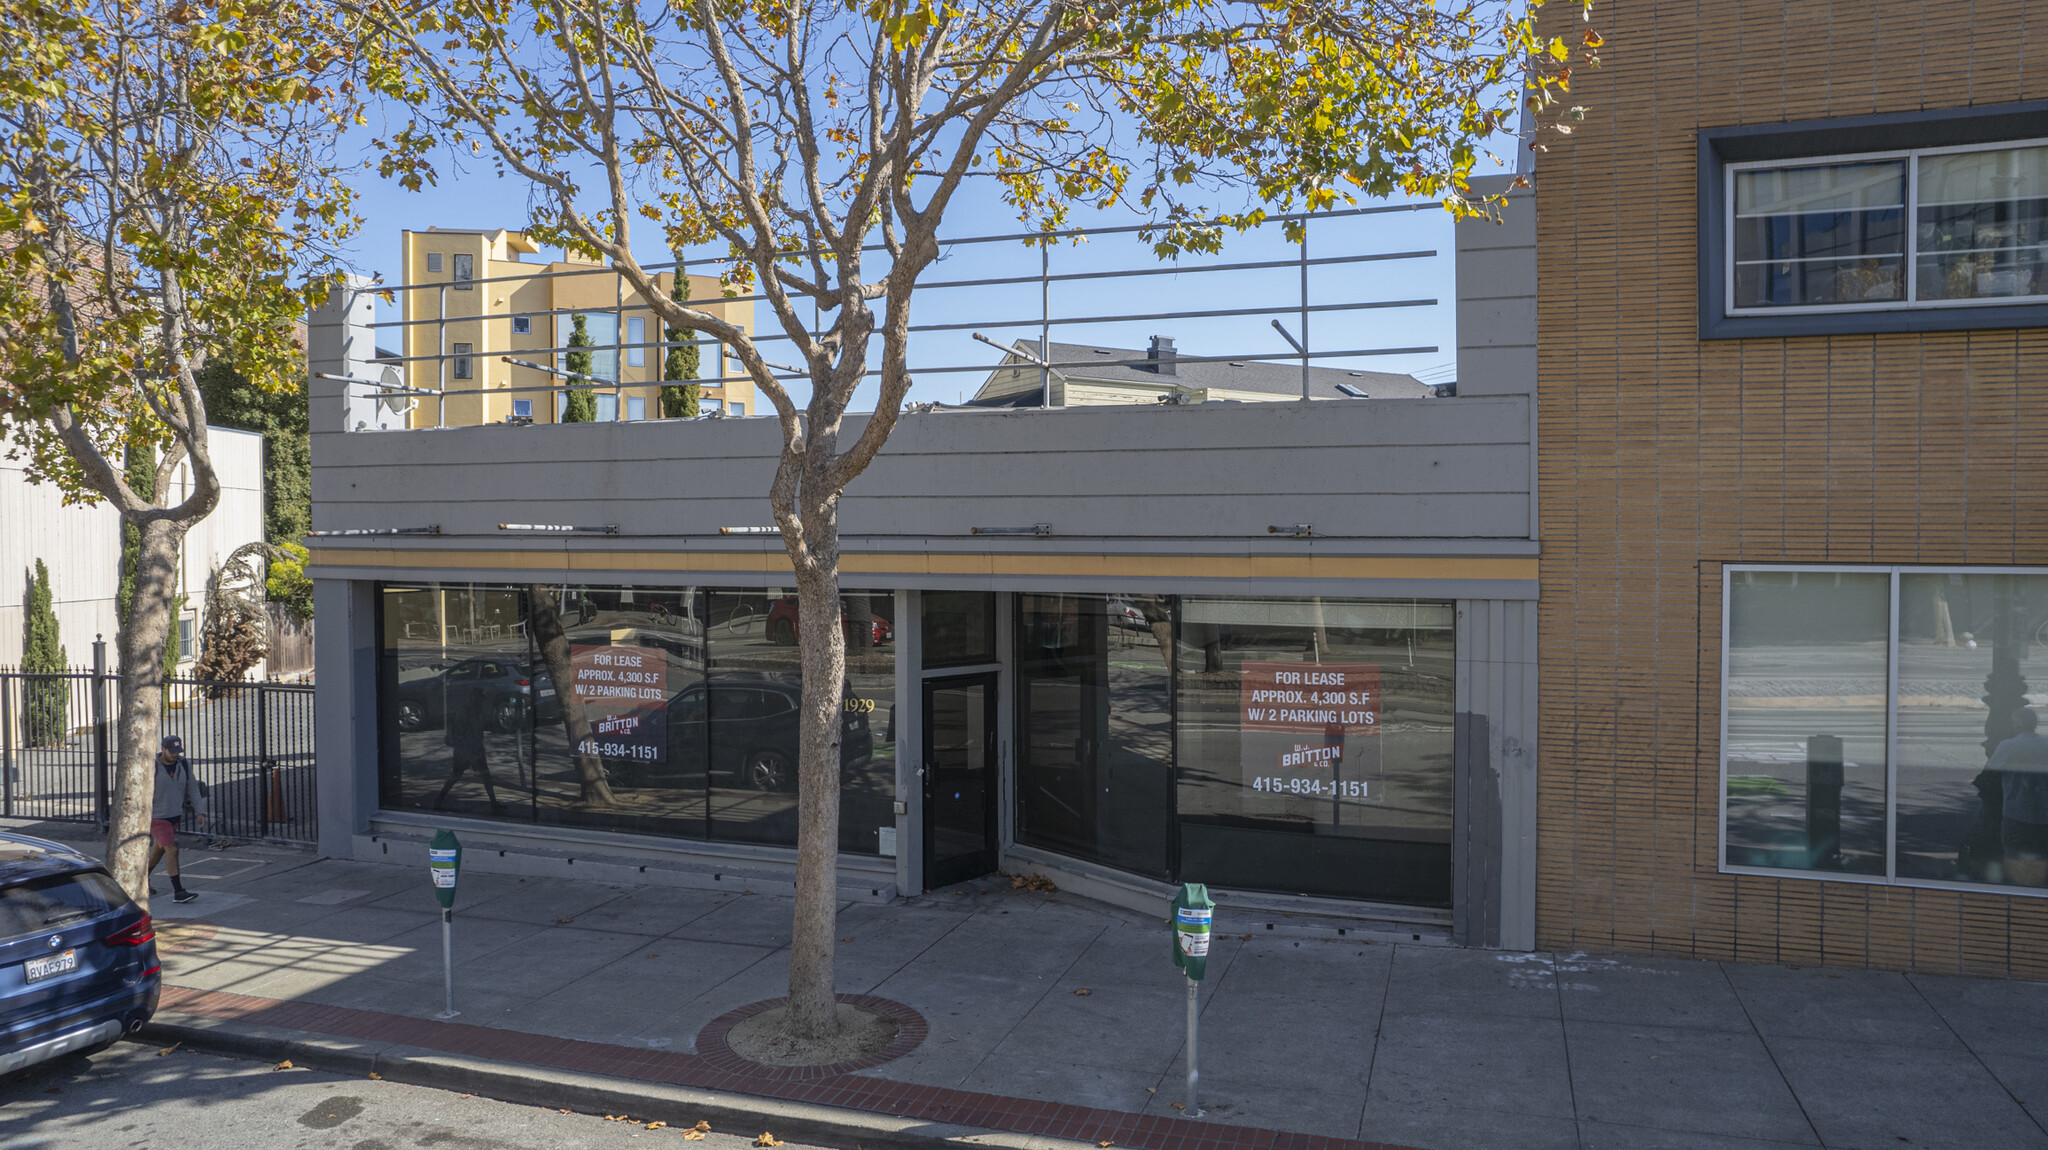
1363, 468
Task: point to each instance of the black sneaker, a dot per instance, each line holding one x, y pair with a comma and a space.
185, 896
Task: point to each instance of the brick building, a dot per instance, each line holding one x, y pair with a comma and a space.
1790, 333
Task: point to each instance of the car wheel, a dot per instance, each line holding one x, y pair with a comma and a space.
411, 716
769, 771
508, 714
782, 633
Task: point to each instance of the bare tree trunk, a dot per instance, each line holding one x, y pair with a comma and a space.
553, 642
813, 1004
139, 712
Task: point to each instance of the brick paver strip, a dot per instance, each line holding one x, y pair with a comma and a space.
847, 1091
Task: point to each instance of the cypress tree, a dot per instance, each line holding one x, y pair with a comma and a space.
582, 404
679, 401
280, 417
42, 653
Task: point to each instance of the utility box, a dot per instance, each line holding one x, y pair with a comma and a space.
1193, 915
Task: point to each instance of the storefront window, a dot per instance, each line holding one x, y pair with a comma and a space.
457, 677
1315, 743
660, 710
1973, 766
756, 689
612, 753
1806, 720
1827, 669
1095, 723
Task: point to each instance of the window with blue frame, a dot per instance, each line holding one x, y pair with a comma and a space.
1931, 220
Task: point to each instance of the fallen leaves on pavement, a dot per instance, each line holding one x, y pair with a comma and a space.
767, 1139
1037, 882
168, 1049
285, 1065
1180, 1106
696, 1133
1083, 992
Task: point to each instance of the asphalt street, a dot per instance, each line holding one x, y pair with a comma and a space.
133, 1095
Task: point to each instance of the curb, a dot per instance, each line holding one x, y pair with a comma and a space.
681, 1107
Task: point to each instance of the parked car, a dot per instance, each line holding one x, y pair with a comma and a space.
782, 620
742, 731
501, 688
78, 965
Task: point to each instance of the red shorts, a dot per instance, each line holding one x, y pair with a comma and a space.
163, 832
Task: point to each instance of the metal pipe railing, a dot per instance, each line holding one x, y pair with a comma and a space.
623, 308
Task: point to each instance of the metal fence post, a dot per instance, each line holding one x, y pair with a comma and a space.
99, 732
263, 765
7, 745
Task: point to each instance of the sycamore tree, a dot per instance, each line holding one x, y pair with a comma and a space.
822, 146
165, 183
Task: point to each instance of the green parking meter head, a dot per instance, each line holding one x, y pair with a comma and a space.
1193, 912
444, 862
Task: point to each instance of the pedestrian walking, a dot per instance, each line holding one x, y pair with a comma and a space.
178, 790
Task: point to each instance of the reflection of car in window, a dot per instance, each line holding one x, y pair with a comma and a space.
498, 690
782, 622
1123, 614
741, 732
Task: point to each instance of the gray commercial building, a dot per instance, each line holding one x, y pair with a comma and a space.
1285, 648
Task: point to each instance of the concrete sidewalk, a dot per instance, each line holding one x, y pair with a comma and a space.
1302, 1030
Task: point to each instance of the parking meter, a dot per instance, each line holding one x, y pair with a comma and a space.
1193, 911
444, 864
1193, 915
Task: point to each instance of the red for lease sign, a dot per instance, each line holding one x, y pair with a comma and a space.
1325, 698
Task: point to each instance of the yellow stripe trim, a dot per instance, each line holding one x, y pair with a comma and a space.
942, 563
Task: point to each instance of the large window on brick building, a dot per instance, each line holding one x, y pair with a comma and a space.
1931, 220
1881, 724
1929, 228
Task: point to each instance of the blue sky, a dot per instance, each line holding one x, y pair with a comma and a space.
480, 199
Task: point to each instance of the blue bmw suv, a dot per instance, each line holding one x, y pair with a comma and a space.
78, 965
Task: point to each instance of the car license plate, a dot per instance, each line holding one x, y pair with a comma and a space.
38, 969
546, 691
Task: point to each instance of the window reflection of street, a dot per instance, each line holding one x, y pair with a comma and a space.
722, 770
1095, 773
1392, 844
1809, 663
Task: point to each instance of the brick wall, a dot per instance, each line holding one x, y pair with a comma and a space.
1663, 457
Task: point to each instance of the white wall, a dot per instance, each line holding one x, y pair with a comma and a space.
81, 545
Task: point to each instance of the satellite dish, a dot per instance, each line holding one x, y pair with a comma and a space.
394, 397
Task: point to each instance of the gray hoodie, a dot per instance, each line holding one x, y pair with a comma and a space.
175, 789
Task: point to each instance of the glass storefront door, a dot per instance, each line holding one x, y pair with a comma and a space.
959, 778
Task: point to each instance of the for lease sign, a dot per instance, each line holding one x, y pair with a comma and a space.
1331, 699
625, 691
609, 676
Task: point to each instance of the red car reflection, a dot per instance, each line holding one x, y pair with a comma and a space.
782, 625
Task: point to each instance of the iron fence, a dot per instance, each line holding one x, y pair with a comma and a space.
250, 743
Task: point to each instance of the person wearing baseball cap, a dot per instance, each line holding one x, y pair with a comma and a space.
176, 789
